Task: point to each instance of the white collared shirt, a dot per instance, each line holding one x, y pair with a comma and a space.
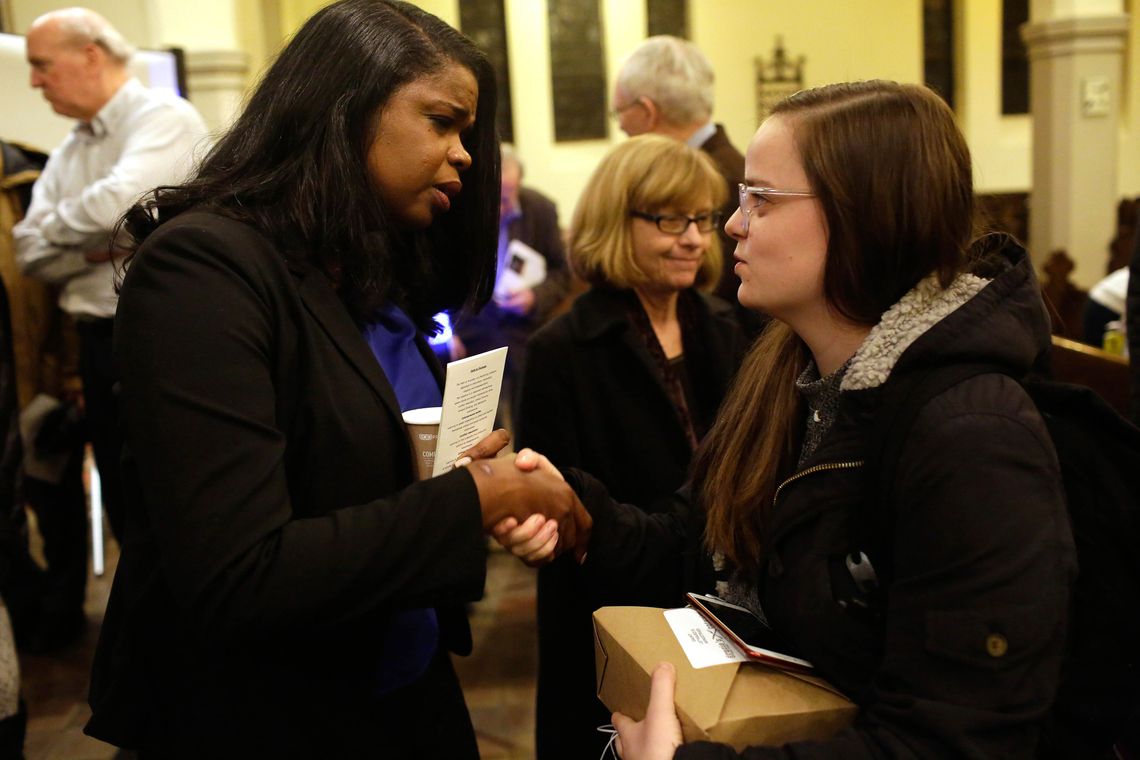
139, 140
701, 136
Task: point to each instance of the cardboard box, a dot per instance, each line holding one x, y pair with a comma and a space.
741, 704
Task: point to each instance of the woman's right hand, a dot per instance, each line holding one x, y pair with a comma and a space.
506, 492
536, 539
659, 734
533, 542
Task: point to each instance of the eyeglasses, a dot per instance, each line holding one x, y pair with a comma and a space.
752, 198
615, 113
676, 224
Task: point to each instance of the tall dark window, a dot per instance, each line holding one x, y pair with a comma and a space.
577, 69
484, 21
667, 17
1014, 58
938, 47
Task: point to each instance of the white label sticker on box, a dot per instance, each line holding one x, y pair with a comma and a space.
704, 645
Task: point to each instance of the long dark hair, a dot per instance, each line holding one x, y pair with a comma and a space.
893, 175
295, 166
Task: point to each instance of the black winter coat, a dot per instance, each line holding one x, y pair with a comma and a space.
966, 657
592, 398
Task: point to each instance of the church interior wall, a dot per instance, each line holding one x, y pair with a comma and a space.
839, 41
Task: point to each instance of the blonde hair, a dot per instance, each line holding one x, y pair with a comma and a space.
647, 173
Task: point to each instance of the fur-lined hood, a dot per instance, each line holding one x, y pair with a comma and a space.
992, 314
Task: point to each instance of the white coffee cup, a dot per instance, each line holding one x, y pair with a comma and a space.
423, 430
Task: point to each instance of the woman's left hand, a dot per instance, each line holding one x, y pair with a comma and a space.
487, 448
529, 460
658, 736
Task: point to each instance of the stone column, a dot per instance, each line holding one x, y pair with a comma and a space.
216, 83
216, 66
1076, 65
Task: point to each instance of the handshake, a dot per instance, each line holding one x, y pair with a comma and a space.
526, 504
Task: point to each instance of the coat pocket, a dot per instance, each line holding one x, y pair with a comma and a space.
992, 639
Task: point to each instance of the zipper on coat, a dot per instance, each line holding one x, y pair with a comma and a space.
823, 467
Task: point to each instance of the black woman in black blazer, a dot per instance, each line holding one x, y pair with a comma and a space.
274, 521
285, 588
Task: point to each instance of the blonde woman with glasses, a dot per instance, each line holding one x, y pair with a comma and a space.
627, 383
856, 234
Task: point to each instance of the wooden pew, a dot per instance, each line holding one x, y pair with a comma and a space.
1105, 373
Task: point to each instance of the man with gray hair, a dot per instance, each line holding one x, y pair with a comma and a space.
128, 140
665, 86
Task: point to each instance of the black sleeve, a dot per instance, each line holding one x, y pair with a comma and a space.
634, 557
195, 340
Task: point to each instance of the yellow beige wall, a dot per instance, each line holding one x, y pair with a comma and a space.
850, 40
1129, 171
836, 39
1001, 145
732, 33
131, 17
198, 25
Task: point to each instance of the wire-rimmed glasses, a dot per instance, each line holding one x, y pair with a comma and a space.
752, 197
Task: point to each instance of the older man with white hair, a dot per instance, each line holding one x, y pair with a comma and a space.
128, 139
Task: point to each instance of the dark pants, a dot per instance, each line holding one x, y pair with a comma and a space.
568, 712
96, 370
12, 730
422, 721
61, 511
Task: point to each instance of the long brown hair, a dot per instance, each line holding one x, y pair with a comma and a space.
892, 174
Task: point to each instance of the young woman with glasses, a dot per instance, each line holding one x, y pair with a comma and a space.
856, 234
627, 383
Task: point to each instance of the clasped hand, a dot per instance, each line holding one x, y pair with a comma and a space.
526, 493
534, 537
534, 540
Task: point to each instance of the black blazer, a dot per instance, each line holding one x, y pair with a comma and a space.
272, 524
